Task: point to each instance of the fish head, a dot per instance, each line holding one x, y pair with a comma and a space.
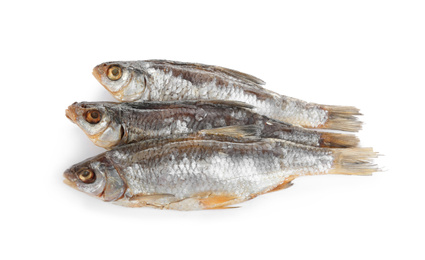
99, 121
96, 177
126, 81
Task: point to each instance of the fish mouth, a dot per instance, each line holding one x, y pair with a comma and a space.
68, 179
98, 71
70, 113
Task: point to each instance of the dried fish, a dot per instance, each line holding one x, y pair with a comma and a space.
160, 80
198, 173
110, 124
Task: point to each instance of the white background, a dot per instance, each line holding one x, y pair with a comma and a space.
370, 54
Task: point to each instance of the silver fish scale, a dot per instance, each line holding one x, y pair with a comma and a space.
189, 168
159, 123
167, 87
148, 125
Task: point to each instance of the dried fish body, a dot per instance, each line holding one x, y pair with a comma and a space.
159, 80
196, 173
110, 124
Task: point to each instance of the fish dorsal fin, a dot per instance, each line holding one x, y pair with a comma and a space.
236, 75
236, 131
240, 75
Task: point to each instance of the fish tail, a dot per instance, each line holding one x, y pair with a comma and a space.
335, 140
354, 161
342, 118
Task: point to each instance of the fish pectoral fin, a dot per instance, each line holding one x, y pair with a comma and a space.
284, 185
155, 200
149, 198
237, 131
218, 201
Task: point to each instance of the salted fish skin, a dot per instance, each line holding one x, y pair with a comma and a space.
194, 173
130, 122
160, 80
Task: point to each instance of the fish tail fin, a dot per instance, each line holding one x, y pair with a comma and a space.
335, 140
342, 118
354, 161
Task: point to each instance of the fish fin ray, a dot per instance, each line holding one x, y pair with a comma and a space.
284, 185
229, 73
354, 161
142, 197
242, 131
342, 118
241, 76
218, 201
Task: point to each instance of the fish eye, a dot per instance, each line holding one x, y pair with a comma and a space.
93, 116
86, 176
114, 72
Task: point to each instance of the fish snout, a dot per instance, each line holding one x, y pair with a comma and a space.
99, 70
69, 179
70, 113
